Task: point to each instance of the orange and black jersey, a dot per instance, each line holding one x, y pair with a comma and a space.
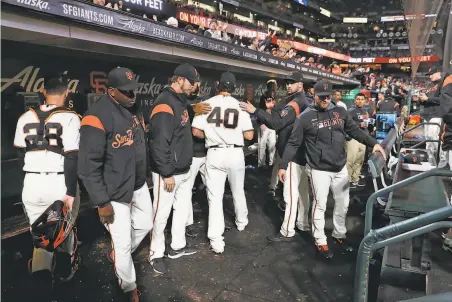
170, 137
111, 147
281, 119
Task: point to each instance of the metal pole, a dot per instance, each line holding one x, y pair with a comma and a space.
400, 184
412, 233
374, 236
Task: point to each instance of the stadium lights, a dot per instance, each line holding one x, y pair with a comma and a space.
354, 20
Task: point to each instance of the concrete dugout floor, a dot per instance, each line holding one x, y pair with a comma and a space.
251, 269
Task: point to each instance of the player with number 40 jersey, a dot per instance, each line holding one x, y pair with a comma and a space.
224, 130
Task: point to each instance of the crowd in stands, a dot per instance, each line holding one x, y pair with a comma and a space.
271, 44
217, 30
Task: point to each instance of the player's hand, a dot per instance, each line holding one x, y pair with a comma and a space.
106, 213
282, 175
247, 106
379, 148
68, 201
169, 184
362, 125
202, 108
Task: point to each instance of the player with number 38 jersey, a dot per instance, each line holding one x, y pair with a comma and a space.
224, 129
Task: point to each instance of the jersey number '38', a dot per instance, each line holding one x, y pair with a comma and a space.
230, 118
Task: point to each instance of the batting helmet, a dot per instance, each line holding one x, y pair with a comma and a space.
52, 227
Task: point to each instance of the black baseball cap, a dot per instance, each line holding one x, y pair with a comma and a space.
123, 79
434, 69
388, 94
323, 87
187, 71
294, 76
227, 79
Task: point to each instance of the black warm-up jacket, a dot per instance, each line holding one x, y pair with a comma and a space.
170, 137
323, 134
282, 118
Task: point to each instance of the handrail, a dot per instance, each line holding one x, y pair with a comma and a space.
379, 238
399, 142
400, 184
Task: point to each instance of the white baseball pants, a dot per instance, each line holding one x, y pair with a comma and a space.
225, 163
132, 222
321, 182
198, 165
296, 196
433, 132
274, 180
39, 192
164, 201
267, 140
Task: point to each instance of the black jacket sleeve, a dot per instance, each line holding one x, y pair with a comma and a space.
277, 120
93, 144
295, 140
191, 113
160, 136
70, 172
434, 100
446, 99
353, 130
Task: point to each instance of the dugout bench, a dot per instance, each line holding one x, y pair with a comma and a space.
415, 199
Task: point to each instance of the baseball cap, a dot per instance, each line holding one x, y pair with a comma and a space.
227, 78
123, 79
388, 94
434, 69
323, 87
187, 71
295, 76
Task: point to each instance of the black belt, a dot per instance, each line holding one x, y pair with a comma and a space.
45, 173
226, 146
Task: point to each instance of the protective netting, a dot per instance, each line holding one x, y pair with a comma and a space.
420, 17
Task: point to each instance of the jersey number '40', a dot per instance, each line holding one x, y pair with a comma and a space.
215, 118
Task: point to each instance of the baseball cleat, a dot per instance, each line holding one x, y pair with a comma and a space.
325, 251
282, 205
158, 265
186, 251
344, 244
280, 238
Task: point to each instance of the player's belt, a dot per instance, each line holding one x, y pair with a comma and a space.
45, 173
226, 146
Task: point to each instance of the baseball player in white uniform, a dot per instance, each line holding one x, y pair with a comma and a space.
198, 164
224, 129
49, 136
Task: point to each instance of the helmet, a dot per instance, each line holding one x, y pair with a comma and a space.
52, 227
415, 157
